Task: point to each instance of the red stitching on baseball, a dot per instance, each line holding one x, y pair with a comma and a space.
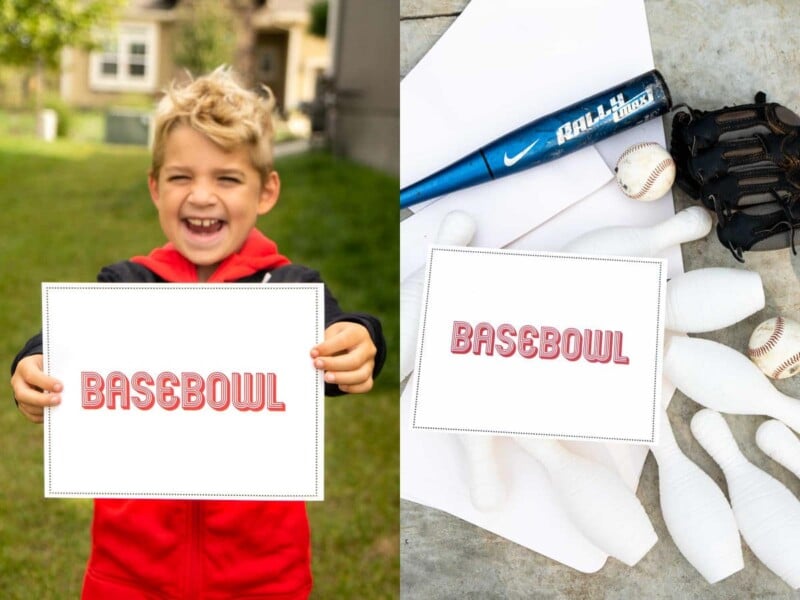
660, 168
792, 360
771, 342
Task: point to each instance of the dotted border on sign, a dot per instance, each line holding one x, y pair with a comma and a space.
203, 288
655, 404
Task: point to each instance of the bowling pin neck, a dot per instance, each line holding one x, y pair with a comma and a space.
713, 433
548, 452
667, 445
774, 438
786, 409
778, 442
687, 225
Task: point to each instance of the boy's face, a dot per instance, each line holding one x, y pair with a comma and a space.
208, 200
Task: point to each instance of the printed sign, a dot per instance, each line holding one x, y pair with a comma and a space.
184, 391
540, 344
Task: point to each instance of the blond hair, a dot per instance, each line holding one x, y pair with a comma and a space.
219, 107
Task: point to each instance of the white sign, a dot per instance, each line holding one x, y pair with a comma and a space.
540, 344
184, 391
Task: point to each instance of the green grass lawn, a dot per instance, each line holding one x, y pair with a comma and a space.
70, 208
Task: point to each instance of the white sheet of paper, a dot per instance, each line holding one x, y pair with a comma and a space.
508, 207
162, 448
501, 64
474, 376
430, 463
434, 474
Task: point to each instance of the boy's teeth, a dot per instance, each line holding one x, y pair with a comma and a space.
202, 222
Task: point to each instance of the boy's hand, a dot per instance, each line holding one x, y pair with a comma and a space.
33, 389
348, 357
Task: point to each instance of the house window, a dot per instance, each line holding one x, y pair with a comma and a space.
127, 60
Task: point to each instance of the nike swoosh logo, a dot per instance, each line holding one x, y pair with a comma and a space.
511, 161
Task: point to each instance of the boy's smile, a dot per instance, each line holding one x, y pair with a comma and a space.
208, 199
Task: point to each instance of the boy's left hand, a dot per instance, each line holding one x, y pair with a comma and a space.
348, 357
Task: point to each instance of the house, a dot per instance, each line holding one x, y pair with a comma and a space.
136, 58
364, 124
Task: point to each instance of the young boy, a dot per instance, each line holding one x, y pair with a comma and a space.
211, 177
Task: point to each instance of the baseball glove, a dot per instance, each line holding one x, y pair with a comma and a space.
742, 162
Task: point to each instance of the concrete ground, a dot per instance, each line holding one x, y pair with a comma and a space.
712, 53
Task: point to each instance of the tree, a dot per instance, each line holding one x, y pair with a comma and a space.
205, 38
319, 18
34, 32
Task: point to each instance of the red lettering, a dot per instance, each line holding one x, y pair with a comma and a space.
165, 395
242, 392
593, 348
619, 358
221, 400
504, 334
461, 341
527, 334
138, 382
484, 334
551, 338
272, 393
117, 387
248, 392
253, 398
192, 386
92, 390
571, 335
594, 345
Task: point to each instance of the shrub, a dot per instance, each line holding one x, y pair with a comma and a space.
319, 19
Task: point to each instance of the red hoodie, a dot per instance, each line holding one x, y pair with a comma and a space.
210, 549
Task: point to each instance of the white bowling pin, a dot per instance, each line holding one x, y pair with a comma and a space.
456, 229
689, 224
780, 444
709, 299
766, 511
487, 490
721, 378
597, 501
696, 512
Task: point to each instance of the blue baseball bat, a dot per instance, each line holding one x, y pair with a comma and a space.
581, 124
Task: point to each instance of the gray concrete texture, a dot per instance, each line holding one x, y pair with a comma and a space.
712, 53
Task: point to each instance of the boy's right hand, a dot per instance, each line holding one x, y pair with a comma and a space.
33, 389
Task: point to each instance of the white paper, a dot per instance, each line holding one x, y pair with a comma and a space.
496, 382
434, 474
506, 208
614, 47
500, 65
160, 448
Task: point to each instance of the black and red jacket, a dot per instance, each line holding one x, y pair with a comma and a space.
214, 549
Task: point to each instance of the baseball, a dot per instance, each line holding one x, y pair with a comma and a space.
774, 347
645, 171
